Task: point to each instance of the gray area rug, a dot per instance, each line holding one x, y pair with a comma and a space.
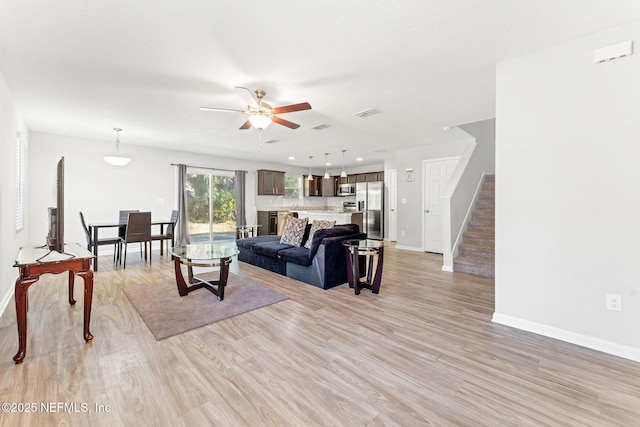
166, 313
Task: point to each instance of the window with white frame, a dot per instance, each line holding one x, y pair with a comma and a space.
20, 154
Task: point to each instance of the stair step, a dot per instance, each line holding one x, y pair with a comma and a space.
478, 268
478, 226
489, 178
477, 252
478, 238
484, 214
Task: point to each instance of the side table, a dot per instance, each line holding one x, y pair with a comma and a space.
372, 251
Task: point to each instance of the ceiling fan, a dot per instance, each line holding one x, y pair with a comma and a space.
260, 113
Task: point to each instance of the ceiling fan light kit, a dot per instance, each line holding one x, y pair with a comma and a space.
117, 160
260, 113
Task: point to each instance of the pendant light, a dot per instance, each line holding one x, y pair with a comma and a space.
117, 160
326, 164
310, 178
343, 174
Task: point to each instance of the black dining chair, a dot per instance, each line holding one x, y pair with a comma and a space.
138, 230
168, 234
115, 241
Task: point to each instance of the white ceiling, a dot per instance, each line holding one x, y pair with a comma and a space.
80, 68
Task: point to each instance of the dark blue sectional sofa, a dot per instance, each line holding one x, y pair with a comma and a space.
323, 265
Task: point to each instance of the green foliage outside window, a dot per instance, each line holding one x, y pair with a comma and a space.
291, 186
224, 198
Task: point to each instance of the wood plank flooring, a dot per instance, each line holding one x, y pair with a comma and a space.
422, 352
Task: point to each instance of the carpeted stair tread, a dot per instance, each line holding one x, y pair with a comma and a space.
476, 252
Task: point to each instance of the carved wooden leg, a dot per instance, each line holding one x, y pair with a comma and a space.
21, 297
87, 275
71, 283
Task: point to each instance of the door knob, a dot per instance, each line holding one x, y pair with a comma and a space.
426, 210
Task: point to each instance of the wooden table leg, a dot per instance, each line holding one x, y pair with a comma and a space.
71, 283
21, 297
87, 275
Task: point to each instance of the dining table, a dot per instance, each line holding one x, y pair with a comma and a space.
94, 229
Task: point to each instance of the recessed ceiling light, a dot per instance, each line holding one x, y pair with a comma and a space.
328, 163
291, 158
358, 159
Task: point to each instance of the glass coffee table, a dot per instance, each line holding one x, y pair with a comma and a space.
203, 255
372, 252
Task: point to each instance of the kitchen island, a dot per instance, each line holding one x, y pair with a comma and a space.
340, 217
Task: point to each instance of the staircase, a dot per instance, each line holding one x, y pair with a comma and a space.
476, 253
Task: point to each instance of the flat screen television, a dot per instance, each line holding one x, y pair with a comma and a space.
55, 238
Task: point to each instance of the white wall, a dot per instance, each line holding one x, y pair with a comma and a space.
410, 214
567, 204
100, 190
10, 239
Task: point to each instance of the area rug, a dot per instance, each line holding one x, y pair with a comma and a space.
166, 313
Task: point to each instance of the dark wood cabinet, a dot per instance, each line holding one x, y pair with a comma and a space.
270, 182
312, 188
375, 176
330, 186
268, 222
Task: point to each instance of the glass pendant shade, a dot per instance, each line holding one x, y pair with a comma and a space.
310, 177
117, 160
260, 121
343, 174
326, 163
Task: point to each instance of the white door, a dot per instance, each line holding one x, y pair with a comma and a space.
436, 174
393, 205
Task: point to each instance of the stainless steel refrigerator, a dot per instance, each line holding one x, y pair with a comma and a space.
369, 200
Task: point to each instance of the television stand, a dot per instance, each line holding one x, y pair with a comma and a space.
34, 262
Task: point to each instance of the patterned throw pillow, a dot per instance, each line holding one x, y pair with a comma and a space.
294, 231
315, 226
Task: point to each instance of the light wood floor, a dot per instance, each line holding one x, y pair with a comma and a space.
422, 352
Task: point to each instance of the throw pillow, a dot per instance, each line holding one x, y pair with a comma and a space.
294, 231
315, 226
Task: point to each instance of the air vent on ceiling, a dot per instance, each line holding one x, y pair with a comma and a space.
271, 141
320, 126
367, 113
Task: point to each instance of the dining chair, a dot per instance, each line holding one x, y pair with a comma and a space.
168, 234
115, 241
138, 230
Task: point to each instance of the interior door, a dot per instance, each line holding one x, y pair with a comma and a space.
393, 205
436, 174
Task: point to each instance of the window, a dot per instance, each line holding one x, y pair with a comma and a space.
20, 153
292, 186
212, 205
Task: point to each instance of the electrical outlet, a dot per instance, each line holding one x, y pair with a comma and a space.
614, 302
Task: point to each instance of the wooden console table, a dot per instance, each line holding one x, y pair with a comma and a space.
34, 262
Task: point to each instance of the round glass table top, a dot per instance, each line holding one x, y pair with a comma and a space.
205, 251
364, 244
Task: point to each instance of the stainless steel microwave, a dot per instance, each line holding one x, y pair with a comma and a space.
347, 189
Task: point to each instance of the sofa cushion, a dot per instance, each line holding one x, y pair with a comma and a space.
294, 231
338, 230
318, 224
250, 241
269, 249
295, 255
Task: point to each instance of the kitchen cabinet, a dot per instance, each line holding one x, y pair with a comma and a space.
312, 188
270, 182
375, 176
330, 186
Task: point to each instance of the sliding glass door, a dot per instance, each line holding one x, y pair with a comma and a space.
212, 205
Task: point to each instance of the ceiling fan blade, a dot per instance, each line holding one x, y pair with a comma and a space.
247, 96
284, 122
246, 125
224, 110
291, 108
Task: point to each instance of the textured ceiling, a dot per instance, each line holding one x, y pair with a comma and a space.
80, 68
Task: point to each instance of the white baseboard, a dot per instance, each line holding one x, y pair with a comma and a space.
604, 346
409, 248
447, 268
